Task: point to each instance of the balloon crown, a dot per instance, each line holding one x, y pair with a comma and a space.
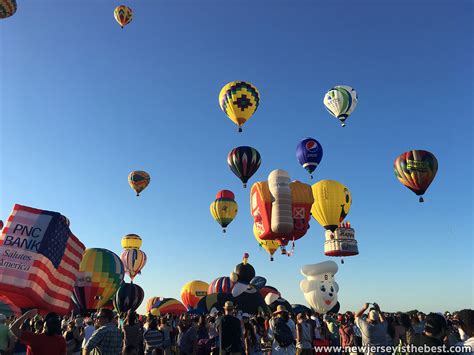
225, 194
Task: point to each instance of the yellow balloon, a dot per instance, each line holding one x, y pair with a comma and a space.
239, 101
193, 292
224, 208
270, 246
131, 241
332, 202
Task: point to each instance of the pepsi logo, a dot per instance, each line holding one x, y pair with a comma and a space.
311, 146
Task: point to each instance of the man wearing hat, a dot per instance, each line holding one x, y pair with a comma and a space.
230, 331
434, 333
283, 331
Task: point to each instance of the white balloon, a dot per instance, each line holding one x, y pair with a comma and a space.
320, 289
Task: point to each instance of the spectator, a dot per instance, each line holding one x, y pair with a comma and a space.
5, 339
48, 343
230, 331
132, 333
73, 339
107, 338
304, 336
434, 333
374, 329
152, 337
465, 319
283, 330
165, 332
88, 331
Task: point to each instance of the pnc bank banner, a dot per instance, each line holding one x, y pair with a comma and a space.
39, 259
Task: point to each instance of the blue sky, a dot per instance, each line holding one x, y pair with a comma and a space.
83, 103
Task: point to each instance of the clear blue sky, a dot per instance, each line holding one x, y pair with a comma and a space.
83, 103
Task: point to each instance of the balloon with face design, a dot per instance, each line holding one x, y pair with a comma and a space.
332, 202
320, 289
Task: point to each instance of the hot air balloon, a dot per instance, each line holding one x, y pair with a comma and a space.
192, 292
341, 242
332, 202
128, 297
244, 162
270, 246
131, 241
100, 275
123, 15
239, 100
167, 306
138, 181
416, 169
220, 285
341, 101
309, 154
281, 208
133, 260
7, 8
224, 208
214, 300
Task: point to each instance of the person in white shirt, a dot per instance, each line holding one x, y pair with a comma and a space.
466, 324
281, 318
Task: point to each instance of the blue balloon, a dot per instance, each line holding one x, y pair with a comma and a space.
309, 154
258, 282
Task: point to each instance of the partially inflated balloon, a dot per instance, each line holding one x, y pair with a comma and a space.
131, 241
270, 246
7, 8
100, 275
220, 285
138, 180
332, 202
192, 292
224, 208
244, 162
128, 297
239, 100
167, 306
341, 101
309, 154
416, 169
133, 260
123, 15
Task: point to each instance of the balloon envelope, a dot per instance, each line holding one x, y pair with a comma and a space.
131, 241
309, 154
416, 169
128, 297
7, 8
167, 306
341, 101
332, 202
123, 15
192, 292
224, 208
239, 101
244, 162
138, 180
220, 285
133, 260
100, 275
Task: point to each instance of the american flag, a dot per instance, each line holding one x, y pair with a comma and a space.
39, 260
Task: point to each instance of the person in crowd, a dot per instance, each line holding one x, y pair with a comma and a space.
188, 338
346, 331
433, 334
132, 332
152, 337
333, 328
73, 338
107, 339
304, 335
283, 332
374, 328
230, 331
465, 324
166, 333
404, 332
251, 344
6, 342
88, 330
50, 342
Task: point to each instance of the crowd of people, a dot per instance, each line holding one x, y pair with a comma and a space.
233, 332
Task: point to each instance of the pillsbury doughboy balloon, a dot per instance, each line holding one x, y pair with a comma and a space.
320, 289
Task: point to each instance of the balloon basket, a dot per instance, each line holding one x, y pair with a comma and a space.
240, 129
421, 199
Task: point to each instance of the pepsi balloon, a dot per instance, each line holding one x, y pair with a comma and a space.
309, 154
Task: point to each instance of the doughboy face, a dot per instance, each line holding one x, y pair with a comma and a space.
320, 289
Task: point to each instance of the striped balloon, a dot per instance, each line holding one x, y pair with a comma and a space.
224, 208
416, 169
128, 297
167, 306
244, 162
133, 260
340, 102
7, 8
220, 285
138, 180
